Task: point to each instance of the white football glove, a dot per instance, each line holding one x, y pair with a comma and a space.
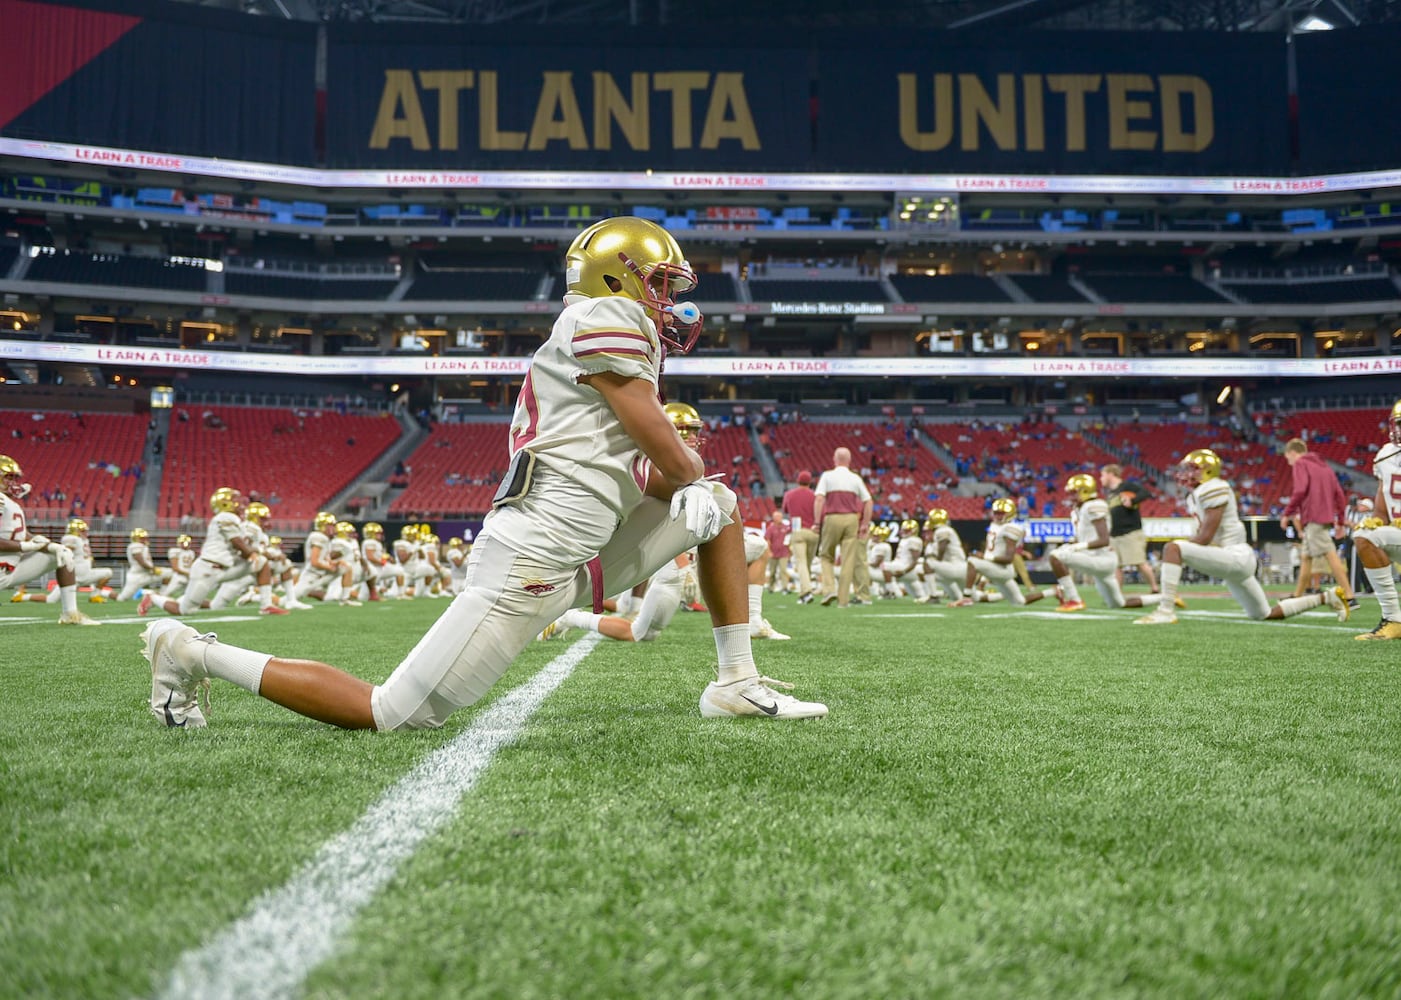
62, 553
36, 544
696, 503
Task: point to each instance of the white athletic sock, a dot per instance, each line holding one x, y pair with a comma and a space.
1385, 588
236, 665
1291, 606
735, 651
579, 618
1068, 590
917, 588
756, 603
264, 595
68, 596
1168, 580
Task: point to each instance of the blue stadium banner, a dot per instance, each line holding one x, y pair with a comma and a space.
563, 103
1349, 99
159, 77
1068, 102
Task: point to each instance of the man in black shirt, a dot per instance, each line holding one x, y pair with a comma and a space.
1126, 522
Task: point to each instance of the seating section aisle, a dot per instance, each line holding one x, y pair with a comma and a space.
904, 477
92, 459
294, 460
455, 471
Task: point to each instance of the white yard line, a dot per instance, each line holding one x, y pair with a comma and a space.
291, 930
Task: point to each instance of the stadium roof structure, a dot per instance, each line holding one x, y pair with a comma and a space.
970, 15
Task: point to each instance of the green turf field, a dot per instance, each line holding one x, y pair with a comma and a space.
1001, 804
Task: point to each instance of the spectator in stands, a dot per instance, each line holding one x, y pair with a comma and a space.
577, 515
842, 508
1126, 534
798, 505
1319, 506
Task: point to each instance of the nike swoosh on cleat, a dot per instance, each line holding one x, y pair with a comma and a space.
170, 716
766, 709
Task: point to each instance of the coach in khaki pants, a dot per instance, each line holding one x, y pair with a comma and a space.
842, 508
799, 505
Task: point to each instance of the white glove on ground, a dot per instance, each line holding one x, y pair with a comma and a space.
696, 503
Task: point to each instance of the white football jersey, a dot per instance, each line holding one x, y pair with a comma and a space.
1218, 493
223, 528
909, 550
136, 552
1091, 511
180, 559
372, 549
953, 549
315, 540
878, 553
570, 428
345, 550
1005, 538
1387, 468
82, 551
257, 537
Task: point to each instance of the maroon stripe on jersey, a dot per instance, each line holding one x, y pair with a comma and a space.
624, 351
527, 433
626, 335
641, 469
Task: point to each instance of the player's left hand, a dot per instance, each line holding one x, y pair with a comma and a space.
696, 503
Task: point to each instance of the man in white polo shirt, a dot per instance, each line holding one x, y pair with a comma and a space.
842, 509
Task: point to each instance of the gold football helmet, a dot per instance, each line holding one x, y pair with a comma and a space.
1393, 425
184, 541
225, 499
936, 518
375, 530
880, 532
139, 534
909, 527
456, 543
1197, 467
1004, 509
639, 260
77, 526
344, 529
1082, 487
1371, 523
324, 522
12, 479
257, 512
274, 541
688, 423
408, 533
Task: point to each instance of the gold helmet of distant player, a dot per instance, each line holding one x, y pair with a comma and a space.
225, 499
456, 543
1393, 424
408, 533
1004, 509
12, 482
909, 527
77, 526
274, 541
1197, 467
184, 541
325, 522
344, 529
639, 260
880, 532
139, 534
1082, 487
375, 530
688, 423
257, 512
936, 518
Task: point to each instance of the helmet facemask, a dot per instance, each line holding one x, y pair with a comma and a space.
678, 323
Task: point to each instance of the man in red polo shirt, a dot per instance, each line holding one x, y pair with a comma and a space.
798, 507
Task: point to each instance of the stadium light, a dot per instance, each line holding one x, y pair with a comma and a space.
1313, 23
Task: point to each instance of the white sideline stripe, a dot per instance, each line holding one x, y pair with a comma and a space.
269, 952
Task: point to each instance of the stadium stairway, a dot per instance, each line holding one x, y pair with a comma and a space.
773, 477
374, 484
145, 500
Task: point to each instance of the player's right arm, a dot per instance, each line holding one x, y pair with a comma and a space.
634, 402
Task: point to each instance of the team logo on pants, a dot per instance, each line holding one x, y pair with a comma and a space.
536, 587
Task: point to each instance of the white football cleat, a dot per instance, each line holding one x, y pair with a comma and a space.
176, 654
76, 618
555, 630
296, 605
754, 696
763, 630
1159, 617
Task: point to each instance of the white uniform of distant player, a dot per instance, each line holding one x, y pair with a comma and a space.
230, 590
218, 561
1229, 556
878, 553
1386, 467
138, 577
456, 557
345, 553
380, 566
946, 561
1002, 538
905, 566
1098, 563
180, 559
18, 568
313, 577
84, 573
